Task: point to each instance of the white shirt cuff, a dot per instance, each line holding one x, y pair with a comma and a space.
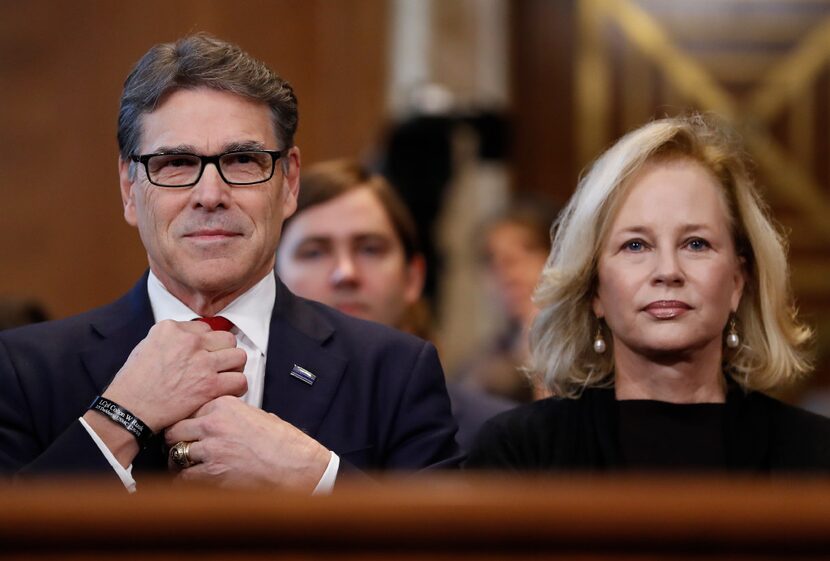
326, 484
126, 475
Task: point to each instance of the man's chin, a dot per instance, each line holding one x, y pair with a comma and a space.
215, 277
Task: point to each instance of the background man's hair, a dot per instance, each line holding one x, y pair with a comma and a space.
328, 180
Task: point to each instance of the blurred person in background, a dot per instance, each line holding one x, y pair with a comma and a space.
514, 246
353, 245
15, 312
665, 313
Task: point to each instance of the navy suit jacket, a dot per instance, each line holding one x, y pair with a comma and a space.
379, 399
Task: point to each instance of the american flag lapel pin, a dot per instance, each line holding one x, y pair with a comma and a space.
303, 375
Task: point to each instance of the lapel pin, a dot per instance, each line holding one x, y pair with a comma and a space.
303, 375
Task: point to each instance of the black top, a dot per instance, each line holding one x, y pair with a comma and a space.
660, 435
596, 433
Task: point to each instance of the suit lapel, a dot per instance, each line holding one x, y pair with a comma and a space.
296, 340
117, 331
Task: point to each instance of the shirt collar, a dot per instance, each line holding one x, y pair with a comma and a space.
250, 312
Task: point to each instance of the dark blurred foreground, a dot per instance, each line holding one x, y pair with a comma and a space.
439, 517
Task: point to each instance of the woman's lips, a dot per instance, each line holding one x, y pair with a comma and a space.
667, 309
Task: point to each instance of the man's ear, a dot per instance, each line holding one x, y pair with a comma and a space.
291, 182
127, 192
416, 270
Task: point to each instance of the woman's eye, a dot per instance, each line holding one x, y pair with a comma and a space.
697, 244
634, 245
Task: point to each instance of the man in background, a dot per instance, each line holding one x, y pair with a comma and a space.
15, 312
353, 245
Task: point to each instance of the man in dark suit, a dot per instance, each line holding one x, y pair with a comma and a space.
353, 244
208, 173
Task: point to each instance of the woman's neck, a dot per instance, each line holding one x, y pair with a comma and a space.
692, 378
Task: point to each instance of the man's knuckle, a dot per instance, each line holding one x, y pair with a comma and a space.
202, 357
208, 428
192, 341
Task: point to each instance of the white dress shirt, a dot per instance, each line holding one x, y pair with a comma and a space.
251, 315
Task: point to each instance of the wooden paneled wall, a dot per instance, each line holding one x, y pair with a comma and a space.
62, 64
543, 44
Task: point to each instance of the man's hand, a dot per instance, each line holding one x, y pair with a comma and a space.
237, 445
175, 370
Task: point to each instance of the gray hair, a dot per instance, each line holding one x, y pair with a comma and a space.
201, 60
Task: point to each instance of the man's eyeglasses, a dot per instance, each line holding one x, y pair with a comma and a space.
246, 167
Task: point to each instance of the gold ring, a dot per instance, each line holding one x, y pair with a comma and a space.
180, 454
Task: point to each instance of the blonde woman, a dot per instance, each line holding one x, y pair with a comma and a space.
665, 313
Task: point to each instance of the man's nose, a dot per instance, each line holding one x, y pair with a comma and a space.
345, 270
668, 269
211, 191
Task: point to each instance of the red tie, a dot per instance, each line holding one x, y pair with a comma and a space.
217, 323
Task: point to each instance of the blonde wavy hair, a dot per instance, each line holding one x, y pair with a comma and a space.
772, 339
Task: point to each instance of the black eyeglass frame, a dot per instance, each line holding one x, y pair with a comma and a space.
205, 160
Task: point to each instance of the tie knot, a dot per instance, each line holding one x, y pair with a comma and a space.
217, 323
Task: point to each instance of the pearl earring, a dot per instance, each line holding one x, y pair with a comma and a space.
732, 338
599, 341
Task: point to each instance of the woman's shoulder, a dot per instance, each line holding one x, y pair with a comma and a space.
790, 417
539, 414
531, 436
513, 440
799, 439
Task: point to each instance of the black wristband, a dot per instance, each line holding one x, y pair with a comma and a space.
127, 420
